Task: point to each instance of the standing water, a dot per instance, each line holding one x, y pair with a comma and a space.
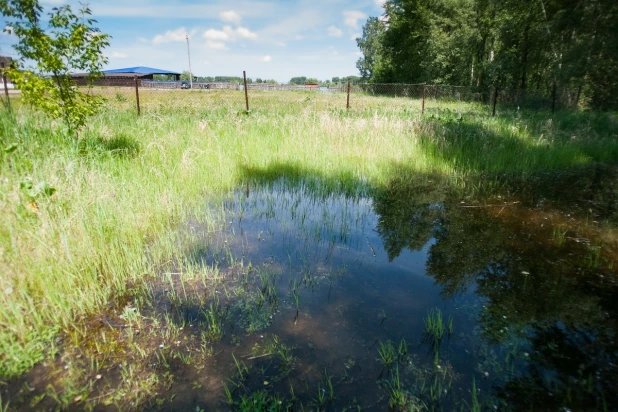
422, 296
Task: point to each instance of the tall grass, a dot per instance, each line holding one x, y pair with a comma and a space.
127, 183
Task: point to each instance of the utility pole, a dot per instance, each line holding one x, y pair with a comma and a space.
189, 54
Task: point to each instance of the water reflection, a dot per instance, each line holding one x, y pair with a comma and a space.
543, 268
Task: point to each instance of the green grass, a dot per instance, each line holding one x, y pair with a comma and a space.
387, 354
83, 219
434, 325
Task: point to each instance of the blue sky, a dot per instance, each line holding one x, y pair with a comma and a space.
269, 39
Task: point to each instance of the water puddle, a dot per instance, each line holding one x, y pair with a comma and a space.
426, 295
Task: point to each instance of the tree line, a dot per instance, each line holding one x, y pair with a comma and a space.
537, 45
300, 80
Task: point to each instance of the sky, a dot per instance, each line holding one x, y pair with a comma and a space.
274, 39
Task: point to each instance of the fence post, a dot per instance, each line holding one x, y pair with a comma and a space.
347, 106
244, 75
139, 112
553, 97
6, 89
493, 111
423, 106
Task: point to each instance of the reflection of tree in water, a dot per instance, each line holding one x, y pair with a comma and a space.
570, 366
533, 289
408, 212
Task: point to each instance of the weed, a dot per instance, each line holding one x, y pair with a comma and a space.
402, 351
241, 368
434, 326
214, 320
387, 353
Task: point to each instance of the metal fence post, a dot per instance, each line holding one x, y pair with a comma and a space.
6, 89
244, 75
424, 92
139, 112
347, 106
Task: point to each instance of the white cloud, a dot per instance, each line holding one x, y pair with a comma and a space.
229, 34
351, 17
380, 3
266, 59
216, 39
280, 44
212, 34
118, 55
241, 32
147, 9
334, 31
216, 45
231, 16
206, 63
170, 36
355, 36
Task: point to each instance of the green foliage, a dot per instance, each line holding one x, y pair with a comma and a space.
33, 191
261, 401
230, 79
371, 64
71, 43
540, 46
298, 80
387, 353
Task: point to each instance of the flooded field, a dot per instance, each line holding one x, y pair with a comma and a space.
425, 294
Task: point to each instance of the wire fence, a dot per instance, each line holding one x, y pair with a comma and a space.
142, 94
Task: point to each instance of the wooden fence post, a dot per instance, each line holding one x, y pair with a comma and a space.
423, 106
244, 75
139, 112
347, 106
553, 97
493, 111
6, 89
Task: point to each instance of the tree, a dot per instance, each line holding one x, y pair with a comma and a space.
370, 44
185, 75
70, 43
298, 80
539, 46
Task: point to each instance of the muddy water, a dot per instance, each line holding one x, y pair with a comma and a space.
313, 301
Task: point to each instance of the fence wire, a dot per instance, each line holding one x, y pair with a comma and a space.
171, 96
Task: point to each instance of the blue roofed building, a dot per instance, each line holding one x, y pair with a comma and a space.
141, 72
126, 76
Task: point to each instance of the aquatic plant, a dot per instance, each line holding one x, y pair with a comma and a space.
214, 320
434, 325
402, 351
387, 353
241, 368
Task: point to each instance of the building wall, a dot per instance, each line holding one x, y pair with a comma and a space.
108, 81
